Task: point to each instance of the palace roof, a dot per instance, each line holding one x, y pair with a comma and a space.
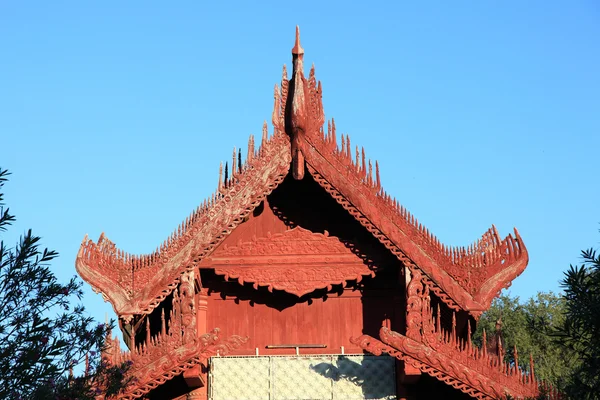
466, 278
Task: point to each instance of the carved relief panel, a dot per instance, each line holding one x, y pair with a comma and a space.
296, 261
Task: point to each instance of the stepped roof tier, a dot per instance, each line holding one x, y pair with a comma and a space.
465, 278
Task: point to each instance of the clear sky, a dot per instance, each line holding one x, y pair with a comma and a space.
114, 116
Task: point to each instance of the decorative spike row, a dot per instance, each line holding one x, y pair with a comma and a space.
120, 260
482, 253
449, 342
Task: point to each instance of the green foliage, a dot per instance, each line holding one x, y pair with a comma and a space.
529, 326
580, 333
42, 335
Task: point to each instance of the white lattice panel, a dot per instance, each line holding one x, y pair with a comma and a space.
294, 379
364, 377
328, 377
240, 378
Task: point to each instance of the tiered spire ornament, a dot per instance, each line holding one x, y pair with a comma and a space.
297, 110
302, 102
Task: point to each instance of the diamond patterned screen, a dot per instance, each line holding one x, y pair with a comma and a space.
319, 377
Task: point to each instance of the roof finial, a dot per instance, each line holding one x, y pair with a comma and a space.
297, 112
297, 50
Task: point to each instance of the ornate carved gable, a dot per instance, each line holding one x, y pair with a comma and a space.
464, 277
296, 261
136, 284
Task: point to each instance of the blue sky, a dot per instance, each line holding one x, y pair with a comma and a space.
114, 116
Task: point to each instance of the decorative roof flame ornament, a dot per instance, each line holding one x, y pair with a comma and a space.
296, 110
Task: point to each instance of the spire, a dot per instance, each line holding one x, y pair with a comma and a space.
297, 116
297, 50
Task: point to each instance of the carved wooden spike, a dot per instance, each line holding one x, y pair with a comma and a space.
234, 163
484, 343
496, 235
250, 154
453, 327
276, 116
284, 75
377, 179
148, 329
500, 351
357, 163
512, 246
264, 138
348, 151
364, 163
333, 134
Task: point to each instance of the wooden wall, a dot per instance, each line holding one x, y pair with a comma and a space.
322, 317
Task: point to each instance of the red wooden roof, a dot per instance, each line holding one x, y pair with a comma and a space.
465, 278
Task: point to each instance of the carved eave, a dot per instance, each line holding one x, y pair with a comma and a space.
480, 272
296, 261
165, 357
458, 364
137, 284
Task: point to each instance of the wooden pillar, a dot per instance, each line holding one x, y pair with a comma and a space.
197, 377
202, 311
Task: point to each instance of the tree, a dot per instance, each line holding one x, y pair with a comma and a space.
42, 336
530, 327
580, 331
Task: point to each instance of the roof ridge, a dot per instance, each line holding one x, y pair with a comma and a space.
455, 358
181, 235
485, 254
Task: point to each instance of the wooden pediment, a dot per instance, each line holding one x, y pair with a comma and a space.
296, 261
